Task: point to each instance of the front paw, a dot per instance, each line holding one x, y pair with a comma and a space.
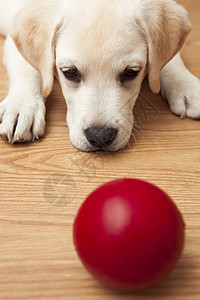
183, 96
22, 121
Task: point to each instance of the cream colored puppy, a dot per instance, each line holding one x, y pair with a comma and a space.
100, 51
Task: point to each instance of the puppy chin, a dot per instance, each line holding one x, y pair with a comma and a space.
119, 144
81, 143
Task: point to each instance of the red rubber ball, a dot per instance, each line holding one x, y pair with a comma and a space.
129, 234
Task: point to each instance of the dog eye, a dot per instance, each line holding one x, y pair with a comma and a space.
129, 74
72, 74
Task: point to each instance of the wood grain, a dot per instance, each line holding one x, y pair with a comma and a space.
43, 184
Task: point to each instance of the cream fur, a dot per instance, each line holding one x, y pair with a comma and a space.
101, 38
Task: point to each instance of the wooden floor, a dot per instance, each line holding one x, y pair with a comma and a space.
43, 184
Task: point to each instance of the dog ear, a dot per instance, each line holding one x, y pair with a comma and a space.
34, 31
165, 26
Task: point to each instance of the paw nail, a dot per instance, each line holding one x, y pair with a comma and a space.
37, 136
9, 136
182, 116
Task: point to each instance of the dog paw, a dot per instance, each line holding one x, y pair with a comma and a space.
22, 121
183, 96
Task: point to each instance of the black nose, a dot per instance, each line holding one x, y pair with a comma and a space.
101, 137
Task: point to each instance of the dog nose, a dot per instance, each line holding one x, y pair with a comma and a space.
101, 136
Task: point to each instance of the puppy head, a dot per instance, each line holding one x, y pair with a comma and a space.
100, 73
102, 51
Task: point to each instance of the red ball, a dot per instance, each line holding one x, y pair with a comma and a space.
129, 234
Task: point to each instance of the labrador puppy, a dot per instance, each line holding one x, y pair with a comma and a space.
100, 51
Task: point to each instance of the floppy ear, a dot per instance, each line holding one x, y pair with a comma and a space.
165, 25
34, 31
